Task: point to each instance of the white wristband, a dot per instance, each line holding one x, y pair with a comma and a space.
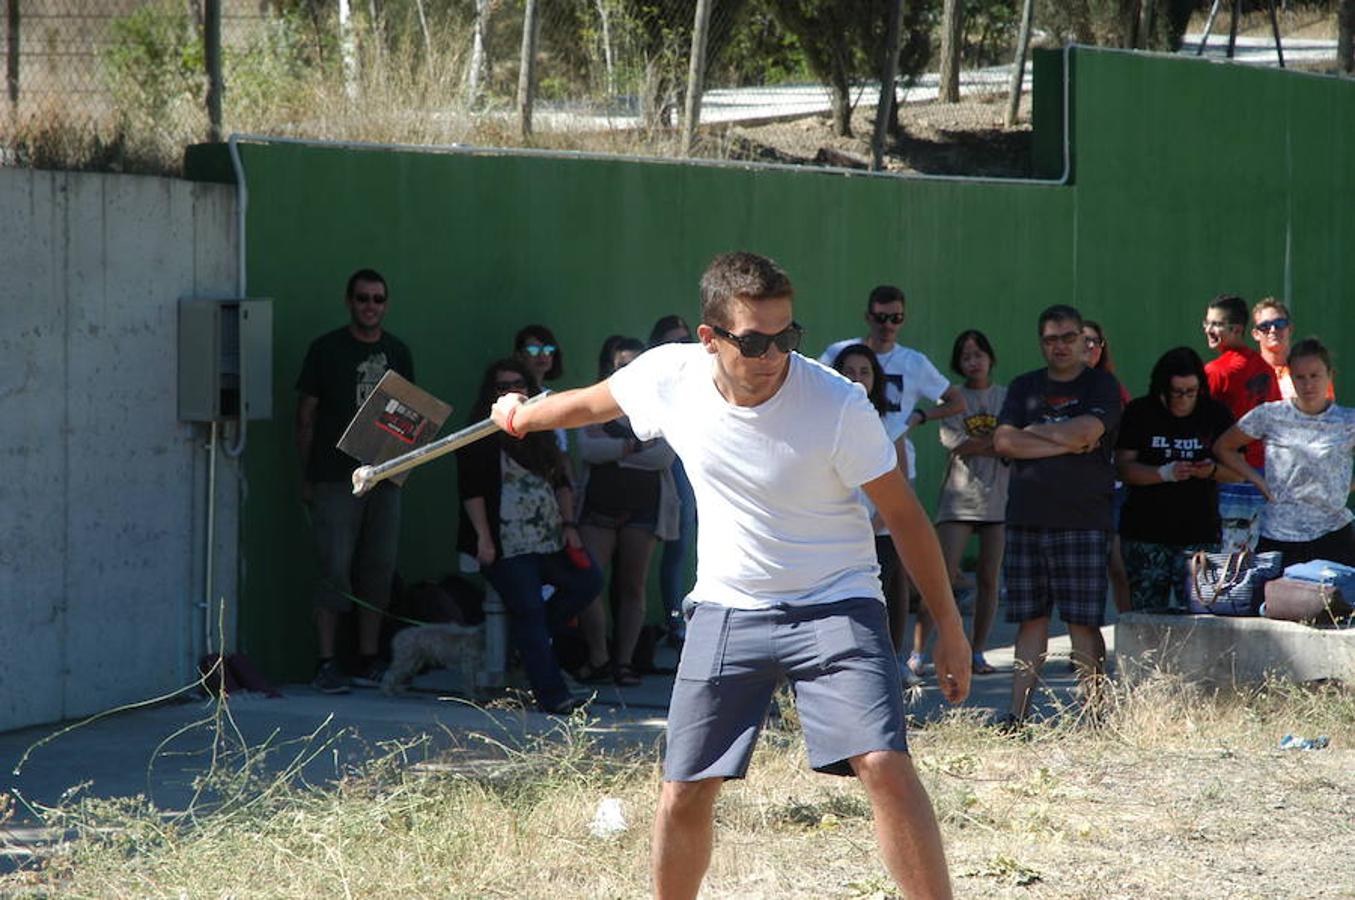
1167, 471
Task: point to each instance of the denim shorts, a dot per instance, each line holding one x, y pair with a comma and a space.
837, 658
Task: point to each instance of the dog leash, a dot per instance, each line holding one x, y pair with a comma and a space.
363, 603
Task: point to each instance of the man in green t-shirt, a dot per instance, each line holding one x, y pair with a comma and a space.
357, 536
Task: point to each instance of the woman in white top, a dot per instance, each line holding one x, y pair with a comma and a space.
1308, 442
974, 492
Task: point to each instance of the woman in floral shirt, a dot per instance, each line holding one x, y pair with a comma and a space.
517, 520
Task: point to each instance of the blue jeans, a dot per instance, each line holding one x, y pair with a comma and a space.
532, 621
674, 559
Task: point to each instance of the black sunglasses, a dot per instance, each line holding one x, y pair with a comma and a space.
755, 344
378, 299
881, 318
507, 385
1272, 325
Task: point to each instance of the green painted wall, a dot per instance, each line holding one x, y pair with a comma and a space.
1192, 178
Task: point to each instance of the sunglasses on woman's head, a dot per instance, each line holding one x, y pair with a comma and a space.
539, 349
755, 344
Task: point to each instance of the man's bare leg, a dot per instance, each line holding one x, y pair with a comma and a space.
905, 825
1089, 658
1032, 640
683, 832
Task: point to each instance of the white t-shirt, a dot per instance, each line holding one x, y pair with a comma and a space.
775, 484
909, 378
1308, 462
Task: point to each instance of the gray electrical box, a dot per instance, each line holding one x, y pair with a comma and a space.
225, 359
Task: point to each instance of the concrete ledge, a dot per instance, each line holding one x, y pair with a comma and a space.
1226, 651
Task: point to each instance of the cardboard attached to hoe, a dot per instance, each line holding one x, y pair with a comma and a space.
397, 418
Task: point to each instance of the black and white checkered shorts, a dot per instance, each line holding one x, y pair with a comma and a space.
1048, 567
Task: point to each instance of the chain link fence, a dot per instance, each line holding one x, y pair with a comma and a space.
124, 84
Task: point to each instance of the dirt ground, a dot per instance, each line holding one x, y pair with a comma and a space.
966, 138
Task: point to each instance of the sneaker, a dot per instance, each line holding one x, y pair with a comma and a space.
917, 664
1014, 727
565, 707
329, 678
371, 676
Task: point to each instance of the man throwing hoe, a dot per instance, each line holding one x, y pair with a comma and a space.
777, 446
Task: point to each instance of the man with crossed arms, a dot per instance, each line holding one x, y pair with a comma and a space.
776, 446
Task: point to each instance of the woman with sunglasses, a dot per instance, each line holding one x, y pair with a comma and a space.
1164, 454
1098, 357
673, 329
517, 520
535, 346
629, 504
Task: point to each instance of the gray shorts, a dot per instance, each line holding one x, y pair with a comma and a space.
837, 658
357, 539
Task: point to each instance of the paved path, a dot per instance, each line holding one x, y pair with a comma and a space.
159, 751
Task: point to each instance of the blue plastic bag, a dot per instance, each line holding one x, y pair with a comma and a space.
1324, 571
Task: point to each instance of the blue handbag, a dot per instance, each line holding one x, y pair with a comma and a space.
1229, 584
1324, 571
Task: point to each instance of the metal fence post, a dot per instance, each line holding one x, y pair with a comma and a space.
211, 40
12, 50
696, 75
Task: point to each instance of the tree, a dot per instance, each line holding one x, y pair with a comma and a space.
952, 36
665, 31
844, 43
1345, 42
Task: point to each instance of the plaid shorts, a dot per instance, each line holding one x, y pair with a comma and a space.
1044, 567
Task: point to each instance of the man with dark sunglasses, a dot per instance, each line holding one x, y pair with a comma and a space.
341, 369
913, 389
776, 447
1273, 331
913, 386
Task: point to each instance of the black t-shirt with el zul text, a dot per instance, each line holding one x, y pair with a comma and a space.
1071, 491
1173, 512
341, 372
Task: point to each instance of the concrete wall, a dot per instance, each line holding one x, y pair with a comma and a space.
1227, 651
102, 501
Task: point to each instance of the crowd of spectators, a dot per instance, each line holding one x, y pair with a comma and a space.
1073, 489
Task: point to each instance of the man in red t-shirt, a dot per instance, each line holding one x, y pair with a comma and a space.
1239, 377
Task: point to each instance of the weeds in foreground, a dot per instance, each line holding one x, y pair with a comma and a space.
1152, 799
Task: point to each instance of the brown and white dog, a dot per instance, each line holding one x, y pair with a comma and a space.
443, 645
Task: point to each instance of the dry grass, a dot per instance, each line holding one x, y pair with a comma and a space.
1174, 794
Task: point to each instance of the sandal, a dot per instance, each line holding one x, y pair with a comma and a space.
981, 666
591, 674
625, 675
